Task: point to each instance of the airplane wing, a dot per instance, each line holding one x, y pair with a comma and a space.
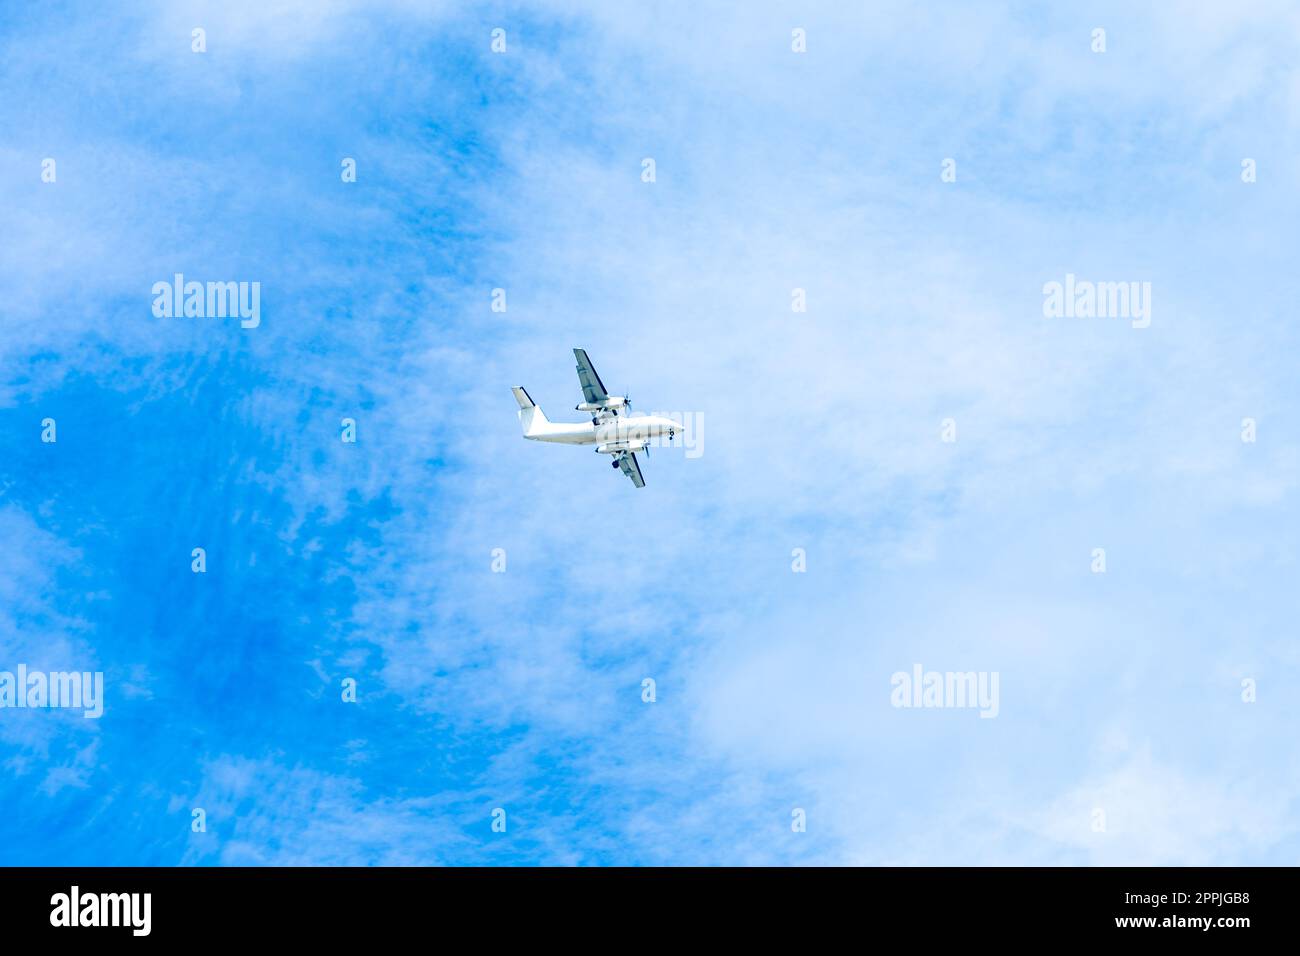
593, 389
630, 468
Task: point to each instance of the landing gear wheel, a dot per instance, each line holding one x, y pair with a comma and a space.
614, 463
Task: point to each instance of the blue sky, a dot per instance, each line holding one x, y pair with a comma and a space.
1119, 692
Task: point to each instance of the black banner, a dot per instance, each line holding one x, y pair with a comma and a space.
959, 904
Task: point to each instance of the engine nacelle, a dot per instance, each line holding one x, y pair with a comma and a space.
614, 401
619, 447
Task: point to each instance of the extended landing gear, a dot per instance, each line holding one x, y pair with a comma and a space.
614, 463
671, 433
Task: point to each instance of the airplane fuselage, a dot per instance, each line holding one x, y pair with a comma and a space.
635, 428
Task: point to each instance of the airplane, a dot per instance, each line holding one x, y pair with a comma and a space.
611, 429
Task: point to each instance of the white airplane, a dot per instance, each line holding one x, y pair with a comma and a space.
611, 429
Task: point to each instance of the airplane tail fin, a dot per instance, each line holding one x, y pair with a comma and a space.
531, 416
